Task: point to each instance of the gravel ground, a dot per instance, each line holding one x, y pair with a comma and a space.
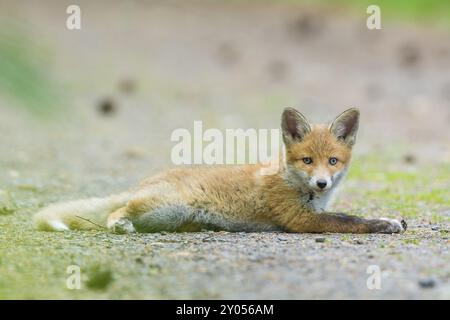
137, 71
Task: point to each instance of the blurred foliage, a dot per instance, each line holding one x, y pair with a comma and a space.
413, 10
4, 211
421, 11
24, 62
24, 74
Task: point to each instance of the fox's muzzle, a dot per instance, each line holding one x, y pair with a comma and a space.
321, 182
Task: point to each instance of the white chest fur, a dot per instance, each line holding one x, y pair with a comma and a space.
321, 202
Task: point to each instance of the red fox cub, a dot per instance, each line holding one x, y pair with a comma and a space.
237, 198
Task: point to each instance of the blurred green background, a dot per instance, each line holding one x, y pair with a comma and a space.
26, 72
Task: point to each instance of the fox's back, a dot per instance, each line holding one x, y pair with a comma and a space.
234, 191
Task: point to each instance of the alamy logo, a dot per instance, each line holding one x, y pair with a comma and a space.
374, 280
236, 146
73, 21
374, 20
73, 281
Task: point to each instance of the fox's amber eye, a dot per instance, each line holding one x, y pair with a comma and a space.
333, 161
307, 160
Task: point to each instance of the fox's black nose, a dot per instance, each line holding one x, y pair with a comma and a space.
321, 183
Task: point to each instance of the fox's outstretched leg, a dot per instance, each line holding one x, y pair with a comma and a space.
143, 202
119, 222
342, 223
174, 217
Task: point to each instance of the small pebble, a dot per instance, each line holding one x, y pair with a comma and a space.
228, 54
127, 86
358, 241
308, 24
410, 55
320, 239
139, 260
278, 70
427, 283
135, 152
435, 228
107, 106
256, 259
409, 158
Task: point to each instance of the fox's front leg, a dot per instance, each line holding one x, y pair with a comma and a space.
342, 223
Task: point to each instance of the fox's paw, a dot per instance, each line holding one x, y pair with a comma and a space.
122, 226
393, 226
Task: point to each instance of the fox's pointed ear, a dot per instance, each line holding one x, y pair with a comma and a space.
294, 126
345, 126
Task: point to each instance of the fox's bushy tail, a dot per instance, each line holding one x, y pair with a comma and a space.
85, 214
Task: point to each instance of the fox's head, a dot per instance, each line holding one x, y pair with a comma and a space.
317, 156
